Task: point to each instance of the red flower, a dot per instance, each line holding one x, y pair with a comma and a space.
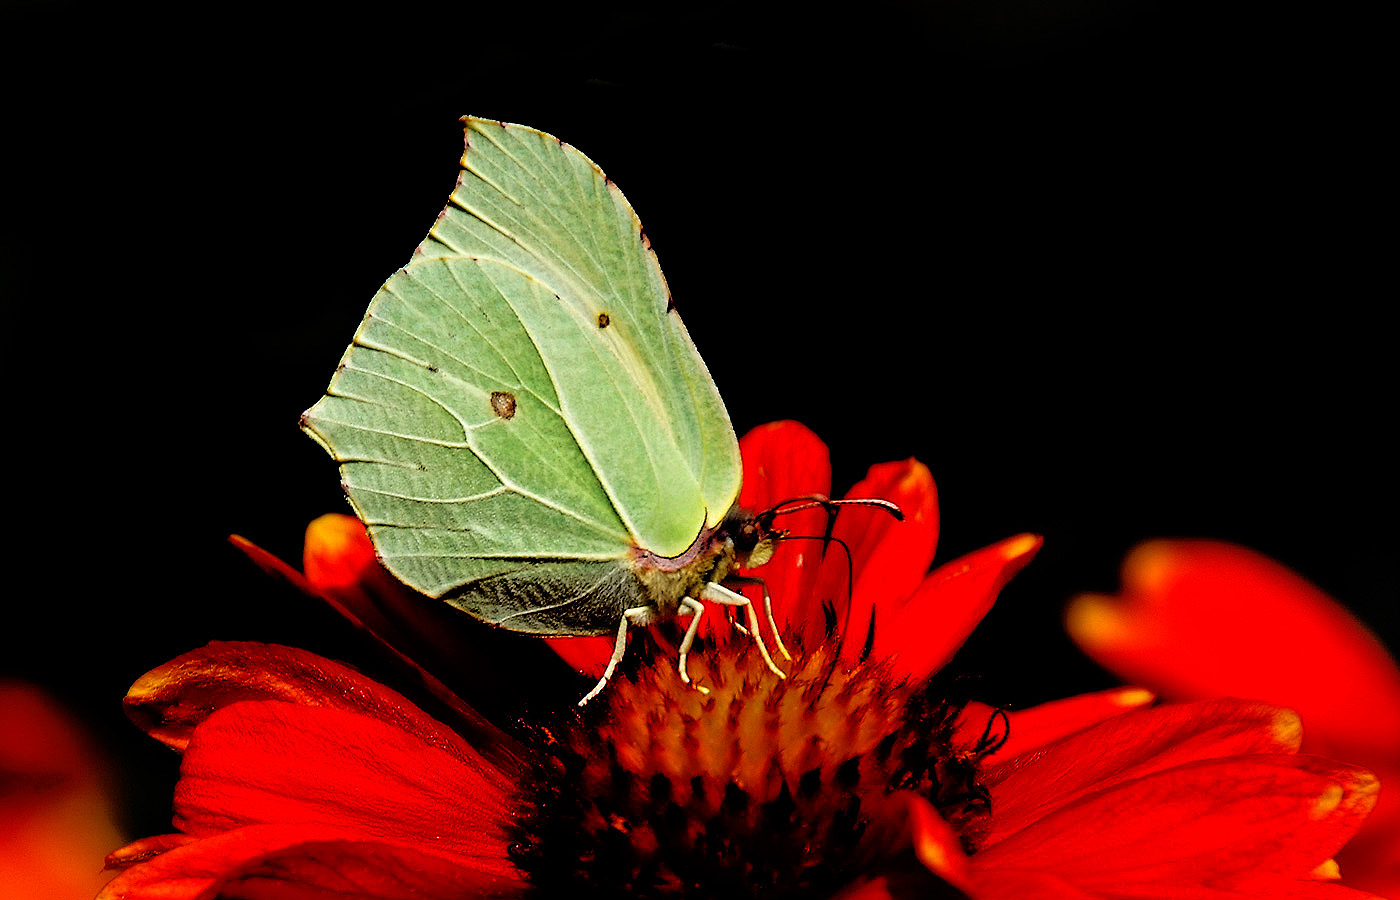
302, 776
1199, 619
852, 776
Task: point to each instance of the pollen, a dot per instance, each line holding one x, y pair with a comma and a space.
763, 786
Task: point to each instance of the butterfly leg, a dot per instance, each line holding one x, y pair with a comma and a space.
695, 608
717, 593
738, 626
767, 609
637, 617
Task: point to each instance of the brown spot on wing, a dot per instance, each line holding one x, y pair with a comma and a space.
503, 404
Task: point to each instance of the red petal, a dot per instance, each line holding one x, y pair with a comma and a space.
1039, 725
925, 632
1201, 619
888, 557
588, 655
423, 636
1013, 885
782, 461
269, 762
1127, 746
1213, 822
1372, 859
170, 701
917, 844
1280, 888
866, 889
146, 849
785, 461
936, 844
904, 880
280, 862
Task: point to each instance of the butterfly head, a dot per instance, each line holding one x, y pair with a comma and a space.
766, 536
754, 537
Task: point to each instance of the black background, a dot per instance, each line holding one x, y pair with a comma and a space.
1109, 268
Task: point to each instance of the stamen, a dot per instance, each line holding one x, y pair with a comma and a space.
763, 787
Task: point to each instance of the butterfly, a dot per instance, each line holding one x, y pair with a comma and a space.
523, 423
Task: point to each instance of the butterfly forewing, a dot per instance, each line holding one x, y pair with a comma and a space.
644, 411
521, 406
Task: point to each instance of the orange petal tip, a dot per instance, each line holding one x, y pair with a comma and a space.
337, 551
1148, 566
1327, 871
1133, 697
1096, 620
1288, 728
1327, 802
1021, 545
915, 476
936, 844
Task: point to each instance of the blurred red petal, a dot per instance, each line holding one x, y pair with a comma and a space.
1127, 746
888, 557
1201, 619
1204, 618
1039, 725
55, 814
924, 633
342, 568
292, 862
337, 553
269, 762
1212, 822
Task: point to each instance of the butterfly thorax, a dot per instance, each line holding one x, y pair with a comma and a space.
715, 554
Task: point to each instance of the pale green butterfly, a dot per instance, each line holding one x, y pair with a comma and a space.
523, 423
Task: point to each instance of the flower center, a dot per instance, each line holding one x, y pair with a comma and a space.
764, 786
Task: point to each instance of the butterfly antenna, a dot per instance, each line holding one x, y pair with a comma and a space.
832, 507
814, 501
990, 743
828, 539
